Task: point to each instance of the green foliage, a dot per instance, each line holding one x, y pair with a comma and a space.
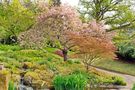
9, 47
70, 82
106, 79
87, 75
115, 80
42, 62
11, 86
93, 79
116, 13
74, 61
118, 81
70, 61
126, 51
124, 41
133, 88
123, 36
14, 18
13, 57
51, 50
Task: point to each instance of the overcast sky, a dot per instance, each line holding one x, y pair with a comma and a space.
71, 2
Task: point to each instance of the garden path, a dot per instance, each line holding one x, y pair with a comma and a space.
130, 80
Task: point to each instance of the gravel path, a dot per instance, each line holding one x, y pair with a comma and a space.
130, 80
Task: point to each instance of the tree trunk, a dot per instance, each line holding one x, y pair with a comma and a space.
65, 51
87, 68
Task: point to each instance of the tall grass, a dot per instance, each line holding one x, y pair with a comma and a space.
11, 86
70, 82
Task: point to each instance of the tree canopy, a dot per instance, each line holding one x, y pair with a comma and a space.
117, 14
14, 18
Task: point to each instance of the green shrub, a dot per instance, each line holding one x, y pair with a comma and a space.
42, 62
118, 81
9, 47
133, 88
70, 62
126, 51
77, 62
115, 80
107, 79
49, 58
11, 86
70, 82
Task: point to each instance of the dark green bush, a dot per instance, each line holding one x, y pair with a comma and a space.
126, 51
118, 81
70, 82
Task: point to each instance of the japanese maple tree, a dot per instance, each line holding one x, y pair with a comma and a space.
93, 43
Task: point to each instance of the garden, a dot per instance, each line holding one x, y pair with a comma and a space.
49, 45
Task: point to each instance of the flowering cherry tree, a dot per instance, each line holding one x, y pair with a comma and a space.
54, 25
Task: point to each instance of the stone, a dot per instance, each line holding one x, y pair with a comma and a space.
23, 87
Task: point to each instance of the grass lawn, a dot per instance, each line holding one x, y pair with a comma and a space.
118, 66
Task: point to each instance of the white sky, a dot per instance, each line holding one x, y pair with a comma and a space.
71, 2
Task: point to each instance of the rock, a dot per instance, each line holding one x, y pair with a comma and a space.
23, 87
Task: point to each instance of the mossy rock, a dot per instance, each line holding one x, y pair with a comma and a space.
33, 75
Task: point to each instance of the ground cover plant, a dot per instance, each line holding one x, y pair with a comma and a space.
44, 64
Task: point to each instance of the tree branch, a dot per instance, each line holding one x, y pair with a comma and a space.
122, 26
